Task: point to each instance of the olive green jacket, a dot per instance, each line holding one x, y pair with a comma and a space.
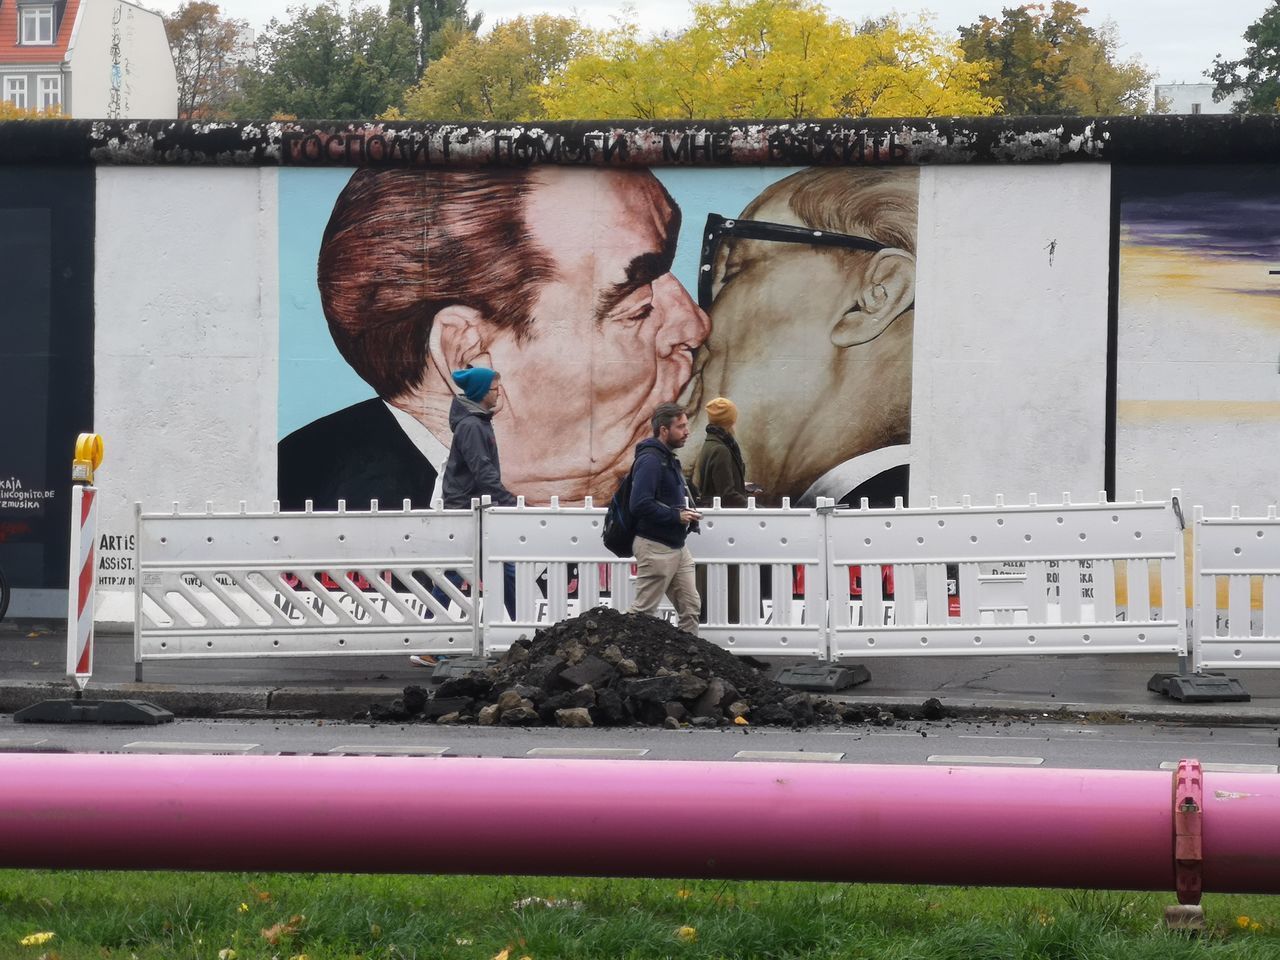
719, 470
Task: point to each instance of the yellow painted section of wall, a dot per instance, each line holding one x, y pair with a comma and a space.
1228, 411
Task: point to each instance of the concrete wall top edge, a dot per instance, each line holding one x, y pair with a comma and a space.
869, 142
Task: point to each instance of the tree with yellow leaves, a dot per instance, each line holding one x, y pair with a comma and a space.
1046, 60
497, 76
769, 58
10, 112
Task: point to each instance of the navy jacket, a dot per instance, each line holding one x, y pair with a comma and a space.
658, 494
473, 470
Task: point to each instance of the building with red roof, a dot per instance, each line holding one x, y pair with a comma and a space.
86, 58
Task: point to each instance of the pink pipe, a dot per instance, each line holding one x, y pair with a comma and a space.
887, 824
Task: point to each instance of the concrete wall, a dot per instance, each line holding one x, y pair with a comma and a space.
1003, 328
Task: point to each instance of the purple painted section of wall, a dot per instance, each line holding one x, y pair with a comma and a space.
891, 824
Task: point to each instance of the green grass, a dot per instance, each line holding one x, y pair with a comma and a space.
170, 916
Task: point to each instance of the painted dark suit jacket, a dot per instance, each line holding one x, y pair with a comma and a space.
357, 454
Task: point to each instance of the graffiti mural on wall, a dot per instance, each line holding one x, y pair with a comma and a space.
1199, 330
578, 287
559, 280
811, 293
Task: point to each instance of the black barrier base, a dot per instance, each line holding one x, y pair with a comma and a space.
459, 667
138, 712
823, 678
1199, 687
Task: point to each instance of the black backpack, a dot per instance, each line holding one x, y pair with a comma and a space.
619, 533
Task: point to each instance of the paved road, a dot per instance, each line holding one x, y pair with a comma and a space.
33, 657
1133, 746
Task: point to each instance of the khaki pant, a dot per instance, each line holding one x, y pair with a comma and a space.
666, 570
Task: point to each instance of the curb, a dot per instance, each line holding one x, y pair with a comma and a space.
343, 703
1201, 715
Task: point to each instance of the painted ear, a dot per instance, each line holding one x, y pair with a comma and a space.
457, 340
887, 291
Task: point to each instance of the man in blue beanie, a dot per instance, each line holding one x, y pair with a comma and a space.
472, 470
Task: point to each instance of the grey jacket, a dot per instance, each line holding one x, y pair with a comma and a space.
473, 470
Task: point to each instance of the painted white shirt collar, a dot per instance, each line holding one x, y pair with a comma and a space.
432, 450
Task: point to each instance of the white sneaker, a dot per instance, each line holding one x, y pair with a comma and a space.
425, 660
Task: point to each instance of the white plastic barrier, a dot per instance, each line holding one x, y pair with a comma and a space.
1031, 579
217, 585
1242, 554
556, 539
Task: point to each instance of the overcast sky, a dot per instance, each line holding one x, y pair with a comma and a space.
1176, 38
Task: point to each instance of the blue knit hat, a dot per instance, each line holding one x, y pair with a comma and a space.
474, 381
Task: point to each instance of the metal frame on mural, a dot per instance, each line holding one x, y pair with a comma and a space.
1242, 554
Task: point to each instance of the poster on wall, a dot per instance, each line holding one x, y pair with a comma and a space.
596, 294
1198, 380
46, 372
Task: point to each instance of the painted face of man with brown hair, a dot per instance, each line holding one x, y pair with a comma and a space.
560, 278
612, 333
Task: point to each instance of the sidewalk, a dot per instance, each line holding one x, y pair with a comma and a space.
1101, 688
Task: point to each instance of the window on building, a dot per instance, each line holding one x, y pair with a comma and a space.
37, 24
15, 91
50, 93
1195, 108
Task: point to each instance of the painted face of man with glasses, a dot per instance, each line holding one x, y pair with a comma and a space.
811, 295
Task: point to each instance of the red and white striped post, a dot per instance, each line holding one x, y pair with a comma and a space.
82, 574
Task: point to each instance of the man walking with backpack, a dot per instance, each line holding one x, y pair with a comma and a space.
663, 518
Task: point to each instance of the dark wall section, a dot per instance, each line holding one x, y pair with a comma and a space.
46, 363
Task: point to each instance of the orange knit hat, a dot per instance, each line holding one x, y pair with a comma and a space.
722, 412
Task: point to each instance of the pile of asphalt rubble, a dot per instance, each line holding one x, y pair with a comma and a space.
605, 668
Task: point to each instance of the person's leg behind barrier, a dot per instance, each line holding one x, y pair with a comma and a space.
655, 565
509, 590
439, 595
683, 592
442, 598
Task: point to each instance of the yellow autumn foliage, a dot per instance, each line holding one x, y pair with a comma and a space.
784, 59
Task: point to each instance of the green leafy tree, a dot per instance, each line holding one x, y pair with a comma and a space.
497, 76
435, 24
325, 63
1046, 60
207, 55
743, 59
1256, 75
